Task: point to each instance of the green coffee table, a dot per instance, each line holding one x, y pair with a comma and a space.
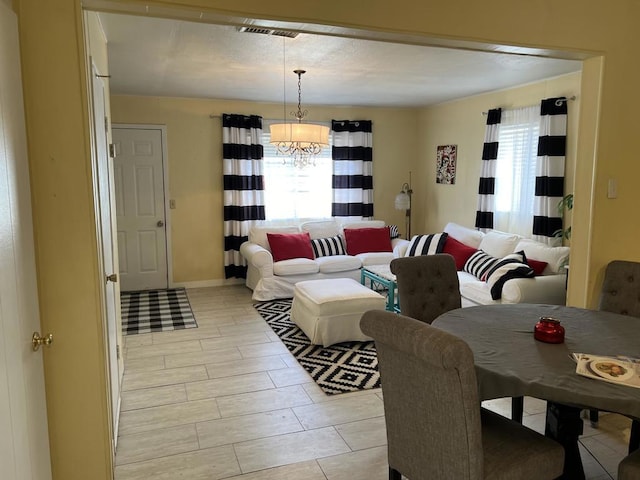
380, 277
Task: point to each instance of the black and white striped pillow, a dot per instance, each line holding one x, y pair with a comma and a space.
512, 266
479, 264
394, 232
426, 244
325, 247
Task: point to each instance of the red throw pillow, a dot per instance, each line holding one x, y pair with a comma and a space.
285, 246
367, 240
537, 265
458, 250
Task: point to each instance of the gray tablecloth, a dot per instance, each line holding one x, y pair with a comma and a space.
511, 363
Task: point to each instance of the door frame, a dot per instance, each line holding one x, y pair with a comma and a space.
165, 190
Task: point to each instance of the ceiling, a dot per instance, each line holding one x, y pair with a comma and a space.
163, 57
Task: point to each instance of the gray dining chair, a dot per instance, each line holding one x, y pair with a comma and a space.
428, 285
436, 428
629, 468
621, 294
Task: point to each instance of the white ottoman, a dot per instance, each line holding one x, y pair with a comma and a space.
329, 311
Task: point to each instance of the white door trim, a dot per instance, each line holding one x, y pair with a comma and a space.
167, 196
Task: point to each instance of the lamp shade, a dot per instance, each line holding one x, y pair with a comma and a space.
303, 134
403, 201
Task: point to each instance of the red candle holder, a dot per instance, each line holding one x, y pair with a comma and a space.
548, 330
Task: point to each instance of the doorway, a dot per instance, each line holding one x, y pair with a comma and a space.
140, 180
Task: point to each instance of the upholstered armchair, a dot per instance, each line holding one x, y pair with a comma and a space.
428, 285
621, 294
435, 426
629, 468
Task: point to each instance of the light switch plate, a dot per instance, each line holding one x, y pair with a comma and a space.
172, 204
612, 188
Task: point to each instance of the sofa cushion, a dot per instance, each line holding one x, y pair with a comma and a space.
324, 247
426, 244
375, 258
466, 235
364, 224
295, 266
499, 244
258, 234
556, 257
458, 250
364, 240
475, 291
321, 228
479, 264
285, 246
338, 263
511, 266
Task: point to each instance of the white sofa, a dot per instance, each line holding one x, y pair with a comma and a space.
270, 280
548, 288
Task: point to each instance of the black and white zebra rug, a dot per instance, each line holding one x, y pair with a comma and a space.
156, 311
340, 368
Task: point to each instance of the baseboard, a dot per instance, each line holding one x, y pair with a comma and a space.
209, 283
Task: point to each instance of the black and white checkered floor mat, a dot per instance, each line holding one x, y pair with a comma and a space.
340, 368
156, 311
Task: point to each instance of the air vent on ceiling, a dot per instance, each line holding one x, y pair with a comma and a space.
268, 31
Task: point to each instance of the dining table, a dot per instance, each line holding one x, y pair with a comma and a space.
510, 362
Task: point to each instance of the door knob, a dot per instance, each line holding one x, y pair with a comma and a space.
112, 278
160, 223
37, 340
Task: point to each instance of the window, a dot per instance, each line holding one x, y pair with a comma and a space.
295, 193
516, 170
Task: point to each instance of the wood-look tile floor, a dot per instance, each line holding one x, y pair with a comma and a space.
227, 400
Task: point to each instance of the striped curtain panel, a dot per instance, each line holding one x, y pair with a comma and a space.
487, 186
352, 180
243, 186
550, 169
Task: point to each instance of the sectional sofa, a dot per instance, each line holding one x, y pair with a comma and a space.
271, 275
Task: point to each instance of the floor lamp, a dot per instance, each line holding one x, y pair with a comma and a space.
403, 202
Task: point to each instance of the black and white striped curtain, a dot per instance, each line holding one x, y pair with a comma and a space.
550, 169
487, 186
352, 181
243, 186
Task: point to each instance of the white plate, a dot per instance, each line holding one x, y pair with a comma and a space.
605, 369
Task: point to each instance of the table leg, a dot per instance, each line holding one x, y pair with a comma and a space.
564, 425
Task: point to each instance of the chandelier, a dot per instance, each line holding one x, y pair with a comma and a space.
301, 141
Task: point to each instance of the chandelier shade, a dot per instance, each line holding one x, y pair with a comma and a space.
303, 134
301, 141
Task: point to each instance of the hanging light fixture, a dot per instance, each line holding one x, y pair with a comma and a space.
301, 141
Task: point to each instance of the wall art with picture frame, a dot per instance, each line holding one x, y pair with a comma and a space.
446, 164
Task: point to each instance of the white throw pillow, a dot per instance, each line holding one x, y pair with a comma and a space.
465, 235
499, 244
556, 257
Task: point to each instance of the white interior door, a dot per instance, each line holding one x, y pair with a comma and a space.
24, 441
140, 200
103, 178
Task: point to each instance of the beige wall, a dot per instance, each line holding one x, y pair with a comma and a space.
194, 143
54, 79
461, 123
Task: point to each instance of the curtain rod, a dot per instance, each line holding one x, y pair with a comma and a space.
558, 102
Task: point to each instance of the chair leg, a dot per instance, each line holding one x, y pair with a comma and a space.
593, 418
634, 438
394, 474
517, 409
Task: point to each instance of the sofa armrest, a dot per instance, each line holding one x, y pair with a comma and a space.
547, 289
399, 246
259, 257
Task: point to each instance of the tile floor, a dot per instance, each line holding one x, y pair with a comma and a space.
227, 400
